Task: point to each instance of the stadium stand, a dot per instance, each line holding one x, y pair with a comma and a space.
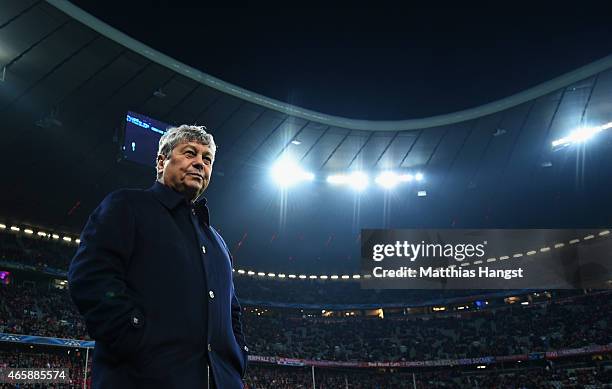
303, 337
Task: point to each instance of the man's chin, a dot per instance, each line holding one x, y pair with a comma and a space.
197, 191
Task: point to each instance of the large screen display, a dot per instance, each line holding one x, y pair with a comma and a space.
141, 138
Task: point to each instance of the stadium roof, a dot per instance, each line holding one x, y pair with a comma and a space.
68, 80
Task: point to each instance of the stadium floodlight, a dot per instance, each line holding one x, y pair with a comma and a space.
358, 180
28, 231
422, 193
292, 276
387, 180
337, 179
286, 173
580, 135
251, 273
240, 271
302, 276
418, 176
55, 236
41, 233
323, 277
334, 277
271, 275
281, 275
78, 241
356, 276
312, 277
345, 277
2, 226
67, 239
261, 274
15, 228
406, 177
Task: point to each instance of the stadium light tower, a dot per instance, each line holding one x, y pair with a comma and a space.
286, 172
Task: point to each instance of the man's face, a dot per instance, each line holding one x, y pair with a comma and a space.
188, 168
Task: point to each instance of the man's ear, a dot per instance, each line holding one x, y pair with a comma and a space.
160, 164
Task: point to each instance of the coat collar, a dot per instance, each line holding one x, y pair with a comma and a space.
171, 199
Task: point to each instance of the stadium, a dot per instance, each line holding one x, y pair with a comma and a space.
296, 193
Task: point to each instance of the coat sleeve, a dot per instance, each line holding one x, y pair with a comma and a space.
97, 276
237, 323
236, 312
237, 328
237, 318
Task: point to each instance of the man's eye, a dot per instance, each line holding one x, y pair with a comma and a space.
190, 153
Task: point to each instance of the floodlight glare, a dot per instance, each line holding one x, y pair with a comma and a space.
580, 135
337, 179
419, 177
287, 173
387, 180
358, 180
406, 177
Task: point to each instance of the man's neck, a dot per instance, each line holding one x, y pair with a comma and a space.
188, 197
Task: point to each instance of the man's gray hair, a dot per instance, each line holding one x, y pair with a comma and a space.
183, 134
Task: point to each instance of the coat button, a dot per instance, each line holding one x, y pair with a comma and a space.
209, 347
193, 211
246, 349
204, 249
211, 294
136, 320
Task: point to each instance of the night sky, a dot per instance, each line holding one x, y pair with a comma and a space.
380, 63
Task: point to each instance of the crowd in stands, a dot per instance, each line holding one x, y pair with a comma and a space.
586, 375
71, 359
252, 289
577, 373
509, 330
28, 309
568, 323
37, 308
45, 254
41, 253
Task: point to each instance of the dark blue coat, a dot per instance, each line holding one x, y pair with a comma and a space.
156, 313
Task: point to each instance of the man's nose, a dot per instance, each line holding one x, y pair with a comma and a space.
198, 163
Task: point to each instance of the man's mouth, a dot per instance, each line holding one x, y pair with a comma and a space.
196, 175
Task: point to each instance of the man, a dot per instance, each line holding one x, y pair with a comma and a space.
154, 282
